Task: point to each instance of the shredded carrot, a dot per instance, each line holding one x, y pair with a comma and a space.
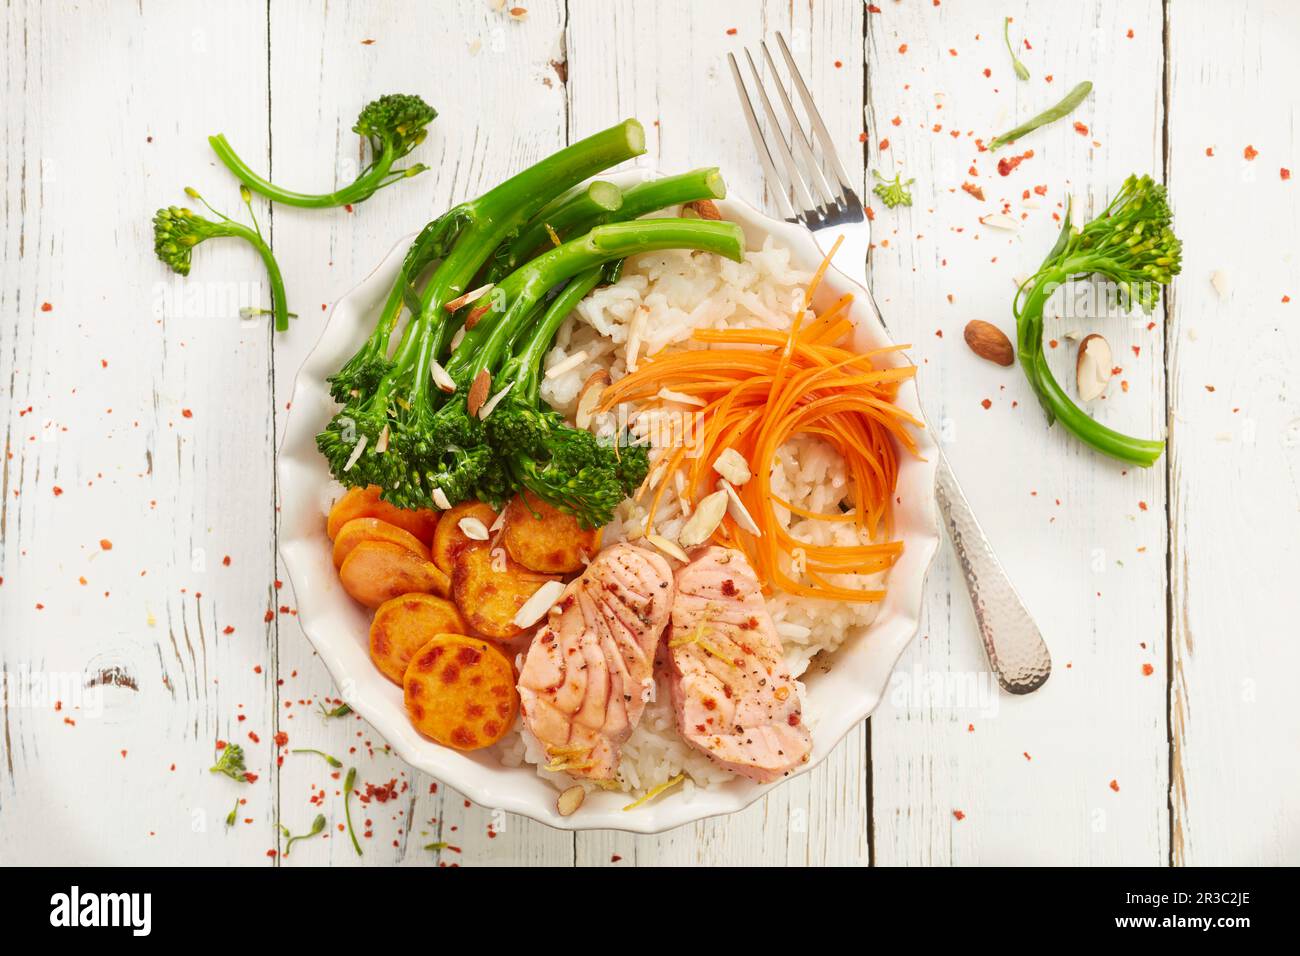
761, 387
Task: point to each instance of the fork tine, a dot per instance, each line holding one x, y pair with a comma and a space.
760, 144
817, 177
802, 194
815, 118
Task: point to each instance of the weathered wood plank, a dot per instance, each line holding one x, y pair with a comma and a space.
1083, 538
1235, 427
137, 417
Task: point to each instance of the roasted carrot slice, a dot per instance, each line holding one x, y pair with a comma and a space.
366, 503
373, 529
450, 537
544, 538
490, 588
405, 624
378, 571
460, 692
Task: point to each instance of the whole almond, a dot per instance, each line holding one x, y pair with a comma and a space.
478, 392
705, 209
989, 342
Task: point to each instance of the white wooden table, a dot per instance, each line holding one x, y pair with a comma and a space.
142, 412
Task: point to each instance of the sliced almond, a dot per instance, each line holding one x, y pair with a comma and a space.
708, 515
471, 320
739, 513
535, 607
999, 220
499, 523
732, 465
1222, 284
440, 499
381, 443
478, 392
669, 548
455, 305
356, 453
494, 402
989, 342
568, 802
668, 395
568, 365
705, 209
457, 338
635, 331
473, 528
444, 381
1092, 368
589, 398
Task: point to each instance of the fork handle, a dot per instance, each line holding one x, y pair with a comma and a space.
1015, 647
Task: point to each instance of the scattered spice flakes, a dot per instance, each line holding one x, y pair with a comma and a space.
838, 64
1080, 128
226, 561
872, 8
973, 190
902, 48
1147, 670
1142, 505
1250, 152
987, 71
958, 815
987, 404
367, 42
1209, 151
731, 31
57, 491
105, 544
187, 413
1284, 173
614, 858
1130, 33
47, 307
1114, 785
518, 13
884, 145
1286, 299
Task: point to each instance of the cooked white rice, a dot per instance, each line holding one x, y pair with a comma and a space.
660, 300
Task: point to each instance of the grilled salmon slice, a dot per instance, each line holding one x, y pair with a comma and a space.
732, 692
590, 669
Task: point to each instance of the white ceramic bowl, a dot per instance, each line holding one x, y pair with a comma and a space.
339, 628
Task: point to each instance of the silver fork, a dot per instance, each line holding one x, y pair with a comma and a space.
1014, 645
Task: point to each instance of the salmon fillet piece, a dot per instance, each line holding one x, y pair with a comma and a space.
590, 669
733, 695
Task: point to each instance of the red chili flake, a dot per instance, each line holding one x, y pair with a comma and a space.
1250, 152
973, 190
987, 71
226, 561
959, 815
1137, 349
614, 858
367, 42
105, 544
1114, 785
46, 307
872, 8
862, 137
1080, 128
938, 333
254, 738
1130, 33
884, 145
951, 51
1040, 190
1053, 343
1209, 388
1147, 670
250, 777
57, 491
227, 630
1286, 299
348, 207
838, 64
731, 31
281, 739
186, 413
1142, 505
1026, 753
970, 728
902, 48
986, 403
272, 854
871, 213
269, 617
1209, 151
1284, 173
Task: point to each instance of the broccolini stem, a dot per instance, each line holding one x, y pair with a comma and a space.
524, 287
529, 358
278, 302
1051, 115
496, 214
1029, 335
354, 192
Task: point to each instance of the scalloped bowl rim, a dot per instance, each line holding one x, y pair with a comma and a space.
839, 699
